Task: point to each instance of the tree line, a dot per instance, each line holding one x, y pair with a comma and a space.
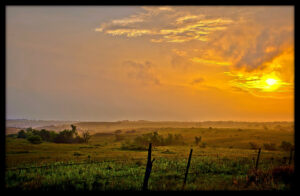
141, 142
68, 136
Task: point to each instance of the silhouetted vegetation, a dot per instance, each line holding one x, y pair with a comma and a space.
253, 145
287, 146
265, 178
21, 134
118, 131
86, 136
131, 131
65, 136
221, 159
35, 139
12, 135
197, 140
141, 142
119, 137
270, 146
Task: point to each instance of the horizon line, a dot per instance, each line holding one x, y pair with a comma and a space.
125, 120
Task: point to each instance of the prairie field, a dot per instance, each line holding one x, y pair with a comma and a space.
224, 159
149, 98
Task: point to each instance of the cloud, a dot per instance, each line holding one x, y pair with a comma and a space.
241, 40
166, 24
268, 45
155, 10
129, 32
199, 60
126, 21
142, 71
187, 18
256, 83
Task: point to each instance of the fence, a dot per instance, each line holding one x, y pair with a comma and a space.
148, 168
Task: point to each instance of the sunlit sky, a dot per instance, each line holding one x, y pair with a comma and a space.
183, 63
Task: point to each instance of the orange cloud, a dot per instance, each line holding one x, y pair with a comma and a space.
199, 60
182, 29
129, 32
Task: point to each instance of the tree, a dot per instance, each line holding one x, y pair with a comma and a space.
45, 135
21, 134
65, 136
197, 140
169, 139
73, 128
34, 139
86, 136
118, 131
74, 131
29, 131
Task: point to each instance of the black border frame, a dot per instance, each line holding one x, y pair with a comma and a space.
133, 3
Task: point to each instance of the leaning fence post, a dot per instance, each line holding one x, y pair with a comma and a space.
148, 169
187, 168
291, 156
257, 160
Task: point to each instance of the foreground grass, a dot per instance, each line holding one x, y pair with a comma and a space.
167, 174
223, 165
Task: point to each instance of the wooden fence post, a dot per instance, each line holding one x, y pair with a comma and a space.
187, 168
291, 156
148, 169
257, 160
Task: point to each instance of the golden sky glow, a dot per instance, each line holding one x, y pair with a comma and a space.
151, 62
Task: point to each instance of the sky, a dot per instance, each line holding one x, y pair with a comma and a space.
160, 63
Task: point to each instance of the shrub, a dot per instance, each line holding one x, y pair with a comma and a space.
77, 154
287, 146
118, 131
258, 177
119, 137
283, 173
45, 135
29, 130
197, 140
86, 136
79, 139
270, 146
65, 136
131, 131
265, 178
141, 142
12, 135
253, 145
127, 145
21, 134
34, 139
70, 136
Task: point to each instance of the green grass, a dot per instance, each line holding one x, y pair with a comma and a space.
227, 156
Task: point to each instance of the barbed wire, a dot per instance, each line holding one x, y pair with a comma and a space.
69, 164
218, 156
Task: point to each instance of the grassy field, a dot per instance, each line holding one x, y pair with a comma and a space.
225, 162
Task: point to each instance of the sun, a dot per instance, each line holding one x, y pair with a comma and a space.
271, 84
271, 81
